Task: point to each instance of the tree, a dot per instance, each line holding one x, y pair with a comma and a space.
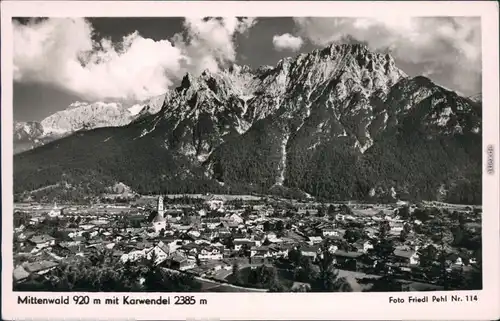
421, 214
86, 235
304, 270
346, 210
381, 253
352, 235
152, 215
245, 250
403, 235
228, 242
458, 235
21, 218
247, 212
294, 256
321, 210
386, 283
384, 229
327, 279
279, 226
265, 277
427, 256
404, 212
237, 274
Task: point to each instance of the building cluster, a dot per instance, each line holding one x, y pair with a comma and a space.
208, 241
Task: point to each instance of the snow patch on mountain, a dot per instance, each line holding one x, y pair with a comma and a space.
135, 109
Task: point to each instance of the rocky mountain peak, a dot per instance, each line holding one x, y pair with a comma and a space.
337, 123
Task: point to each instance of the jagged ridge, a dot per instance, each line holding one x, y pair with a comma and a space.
333, 123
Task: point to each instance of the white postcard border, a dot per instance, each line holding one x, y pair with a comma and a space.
239, 306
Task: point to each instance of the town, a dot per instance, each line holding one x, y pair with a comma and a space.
246, 243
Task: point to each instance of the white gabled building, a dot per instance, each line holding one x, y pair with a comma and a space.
215, 204
55, 212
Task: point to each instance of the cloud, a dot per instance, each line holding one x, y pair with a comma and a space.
287, 42
209, 44
63, 53
448, 47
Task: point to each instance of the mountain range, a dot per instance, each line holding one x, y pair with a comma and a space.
338, 123
78, 116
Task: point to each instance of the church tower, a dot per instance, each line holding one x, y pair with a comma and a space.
159, 222
161, 210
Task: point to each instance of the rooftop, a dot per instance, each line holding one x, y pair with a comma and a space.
40, 266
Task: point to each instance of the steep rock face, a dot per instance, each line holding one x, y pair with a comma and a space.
327, 97
27, 135
203, 112
338, 123
81, 115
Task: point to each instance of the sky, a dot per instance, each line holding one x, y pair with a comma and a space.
58, 61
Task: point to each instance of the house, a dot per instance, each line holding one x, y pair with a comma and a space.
55, 212
215, 204
160, 251
180, 262
236, 218
239, 243
20, 228
406, 256
347, 260
42, 241
260, 251
20, 274
300, 287
194, 233
198, 271
133, 256
218, 245
214, 266
191, 248
202, 241
25, 235
363, 246
455, 260
223, 231
210, 253
309, 251
87, 226
272, 237
396, 229
330, 232
40, 267
315, 240
371, 232
278, 250
35, 220
211, 223
61, 251
333, 248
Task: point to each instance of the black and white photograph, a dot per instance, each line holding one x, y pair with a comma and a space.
248, 153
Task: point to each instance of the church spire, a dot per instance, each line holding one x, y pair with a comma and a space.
161, 210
